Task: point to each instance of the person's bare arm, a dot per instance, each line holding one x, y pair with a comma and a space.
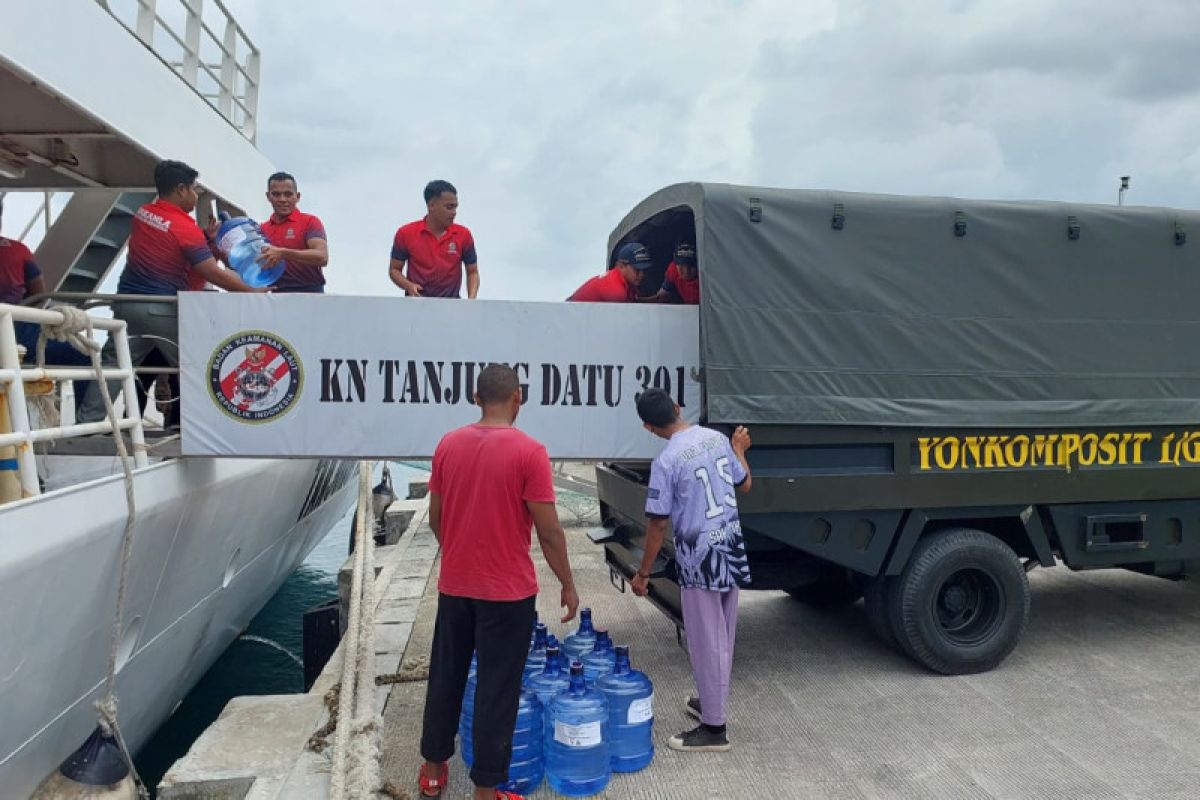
396, 273
741, 443
435, 516
553, 541
317, 254
222, 278
472, 280
656, 531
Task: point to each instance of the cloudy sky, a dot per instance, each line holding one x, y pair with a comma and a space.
554, 119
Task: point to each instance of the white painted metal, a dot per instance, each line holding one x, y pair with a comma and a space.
23, 434
135, 96
41, 213
214, 540
240, 108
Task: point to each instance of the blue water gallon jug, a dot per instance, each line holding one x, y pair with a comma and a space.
242, 241
527, 764
577, 753
533, 630
630, 696
537, 652
583, 639
466, 720
600, 661
552, 680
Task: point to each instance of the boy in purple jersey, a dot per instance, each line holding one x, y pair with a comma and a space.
692, 485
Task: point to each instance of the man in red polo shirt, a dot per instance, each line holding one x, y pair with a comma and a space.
681, 284
619, 284
168, 253
296, 238
435, 249
20, 277
490, 483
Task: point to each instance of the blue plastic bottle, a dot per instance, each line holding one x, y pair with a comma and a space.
552, 680
533, 630
600, 661
528, 763
582, 640
630, 696
577, 753
537, 653
242, 241
466, 720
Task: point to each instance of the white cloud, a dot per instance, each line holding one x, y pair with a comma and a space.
555, 119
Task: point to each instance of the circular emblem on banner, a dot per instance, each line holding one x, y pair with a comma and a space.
255, 376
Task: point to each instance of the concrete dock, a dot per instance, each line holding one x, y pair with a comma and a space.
1100, 700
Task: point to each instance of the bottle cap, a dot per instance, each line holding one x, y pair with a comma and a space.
576, 668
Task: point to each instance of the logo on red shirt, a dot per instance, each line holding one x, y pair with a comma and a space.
255, 376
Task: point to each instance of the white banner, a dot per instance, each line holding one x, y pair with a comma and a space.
386, 377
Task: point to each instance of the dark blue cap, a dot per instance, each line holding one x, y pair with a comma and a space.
634, 255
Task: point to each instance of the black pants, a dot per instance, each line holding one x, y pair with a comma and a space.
498, 632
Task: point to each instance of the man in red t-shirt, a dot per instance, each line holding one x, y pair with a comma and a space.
435, 250
681, 284
20, 277
490, 484
168, 253
296, 238
619, 284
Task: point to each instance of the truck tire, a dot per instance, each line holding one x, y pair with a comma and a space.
877, 605
961, 603
831, 589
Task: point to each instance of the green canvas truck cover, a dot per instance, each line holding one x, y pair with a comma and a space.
857, 309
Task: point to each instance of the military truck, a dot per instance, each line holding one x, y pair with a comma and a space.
944, 394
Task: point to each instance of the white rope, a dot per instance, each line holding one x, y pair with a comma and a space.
356, 774
76, 330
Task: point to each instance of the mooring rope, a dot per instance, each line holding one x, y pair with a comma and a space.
76, 329
356, 773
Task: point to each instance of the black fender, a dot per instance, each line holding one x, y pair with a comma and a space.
917, 519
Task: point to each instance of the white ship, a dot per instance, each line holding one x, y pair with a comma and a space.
92, 94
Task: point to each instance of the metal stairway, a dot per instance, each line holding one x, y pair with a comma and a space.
85, 240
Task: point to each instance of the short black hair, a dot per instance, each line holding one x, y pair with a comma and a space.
497, 383
170, 174
435, 189
282, 176
656, 408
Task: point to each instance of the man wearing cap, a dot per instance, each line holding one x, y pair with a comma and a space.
681, 284
619, 284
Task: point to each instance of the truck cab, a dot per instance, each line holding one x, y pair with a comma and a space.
943, 394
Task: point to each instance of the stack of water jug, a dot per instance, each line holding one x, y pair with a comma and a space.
584, 714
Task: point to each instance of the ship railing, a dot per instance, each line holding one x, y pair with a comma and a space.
21, 436
210, 51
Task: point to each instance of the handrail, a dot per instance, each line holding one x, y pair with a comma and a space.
236, 80
12, 375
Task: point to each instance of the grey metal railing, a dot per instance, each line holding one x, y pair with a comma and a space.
201, 41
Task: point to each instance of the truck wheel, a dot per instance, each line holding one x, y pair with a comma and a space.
961, 603
877, 604
830, 590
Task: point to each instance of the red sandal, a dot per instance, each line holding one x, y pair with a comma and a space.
433, 787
